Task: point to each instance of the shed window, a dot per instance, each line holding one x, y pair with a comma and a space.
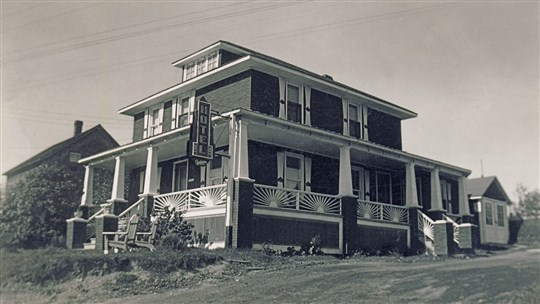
500, 215
489, 214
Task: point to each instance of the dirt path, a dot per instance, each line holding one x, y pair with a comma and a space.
512, 277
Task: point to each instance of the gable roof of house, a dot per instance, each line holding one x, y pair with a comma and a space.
56, 148
248, 52
486, 186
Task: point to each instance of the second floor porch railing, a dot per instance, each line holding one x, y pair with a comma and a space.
204, 197
382, 212
270, 196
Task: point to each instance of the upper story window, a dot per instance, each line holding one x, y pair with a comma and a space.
183, 112
201, 65
155, 120
294, 107
190, 70
355, 127
212, 61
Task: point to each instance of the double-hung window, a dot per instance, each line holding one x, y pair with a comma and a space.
294, 106
190, 70
201, 66
500, 215
355, 129
489, 213
183, 112
155, 120
294, 171
446, 194
212, 62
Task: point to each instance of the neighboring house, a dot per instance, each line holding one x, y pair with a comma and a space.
489, 203
297, 155
67, 152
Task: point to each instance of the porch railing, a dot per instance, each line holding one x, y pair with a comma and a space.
270, 196
135, 208
91, 224
425, 226
456, 228
191, 199
382, 212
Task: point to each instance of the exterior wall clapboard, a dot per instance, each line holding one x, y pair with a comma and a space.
384, 129
228, 94
263, 163
324, 175
227, 56
138, 126
264, 93
326, 111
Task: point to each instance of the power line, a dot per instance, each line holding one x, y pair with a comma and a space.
71, 114
62, 49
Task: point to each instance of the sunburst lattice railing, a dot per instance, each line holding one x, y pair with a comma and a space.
382, 212
456, 228
206, 197
270, 196
425, 226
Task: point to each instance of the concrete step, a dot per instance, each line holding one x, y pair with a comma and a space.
89, 246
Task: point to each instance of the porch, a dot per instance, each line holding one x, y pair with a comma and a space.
277, 182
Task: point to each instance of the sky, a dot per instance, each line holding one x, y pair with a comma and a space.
469, 69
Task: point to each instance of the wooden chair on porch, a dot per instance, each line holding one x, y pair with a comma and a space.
146, 239
123, 240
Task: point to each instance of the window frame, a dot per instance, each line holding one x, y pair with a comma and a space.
301, 181
358, 117
500, 216
488, 215
174, 175
300, 102
179, 108
152, 123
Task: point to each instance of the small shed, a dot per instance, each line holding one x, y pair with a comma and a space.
489, 202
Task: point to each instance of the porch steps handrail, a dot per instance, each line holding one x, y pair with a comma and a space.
210, 196
455, 226
382, 212
90, 223
271, 196
128, 211
425, 226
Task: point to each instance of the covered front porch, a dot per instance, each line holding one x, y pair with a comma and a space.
280, 183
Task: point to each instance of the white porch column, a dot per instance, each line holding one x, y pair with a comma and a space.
150, 175
463, 198
242, 160
118, 181
436, 197
345, 171
411, 193
88, 195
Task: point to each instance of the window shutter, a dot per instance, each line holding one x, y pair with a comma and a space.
367, 186
365, 122
175, 102
282, 103
281, 169
345, 106
307, 168
307, 116
191, 105
146, 119
225, 168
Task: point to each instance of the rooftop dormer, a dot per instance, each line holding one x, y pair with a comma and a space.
208, 59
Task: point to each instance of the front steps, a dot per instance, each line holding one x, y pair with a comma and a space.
91, 245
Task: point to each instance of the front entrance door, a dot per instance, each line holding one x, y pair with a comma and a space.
360, 181
180, 176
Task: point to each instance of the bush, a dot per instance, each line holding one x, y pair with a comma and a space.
172, 231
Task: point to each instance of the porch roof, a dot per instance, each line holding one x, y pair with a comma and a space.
271, 130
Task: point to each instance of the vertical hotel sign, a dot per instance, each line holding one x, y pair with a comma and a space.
200, 145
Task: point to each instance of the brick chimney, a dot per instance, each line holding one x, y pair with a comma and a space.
78, 127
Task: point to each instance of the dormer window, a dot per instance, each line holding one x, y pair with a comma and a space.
190, 70
212, 61
201, 66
